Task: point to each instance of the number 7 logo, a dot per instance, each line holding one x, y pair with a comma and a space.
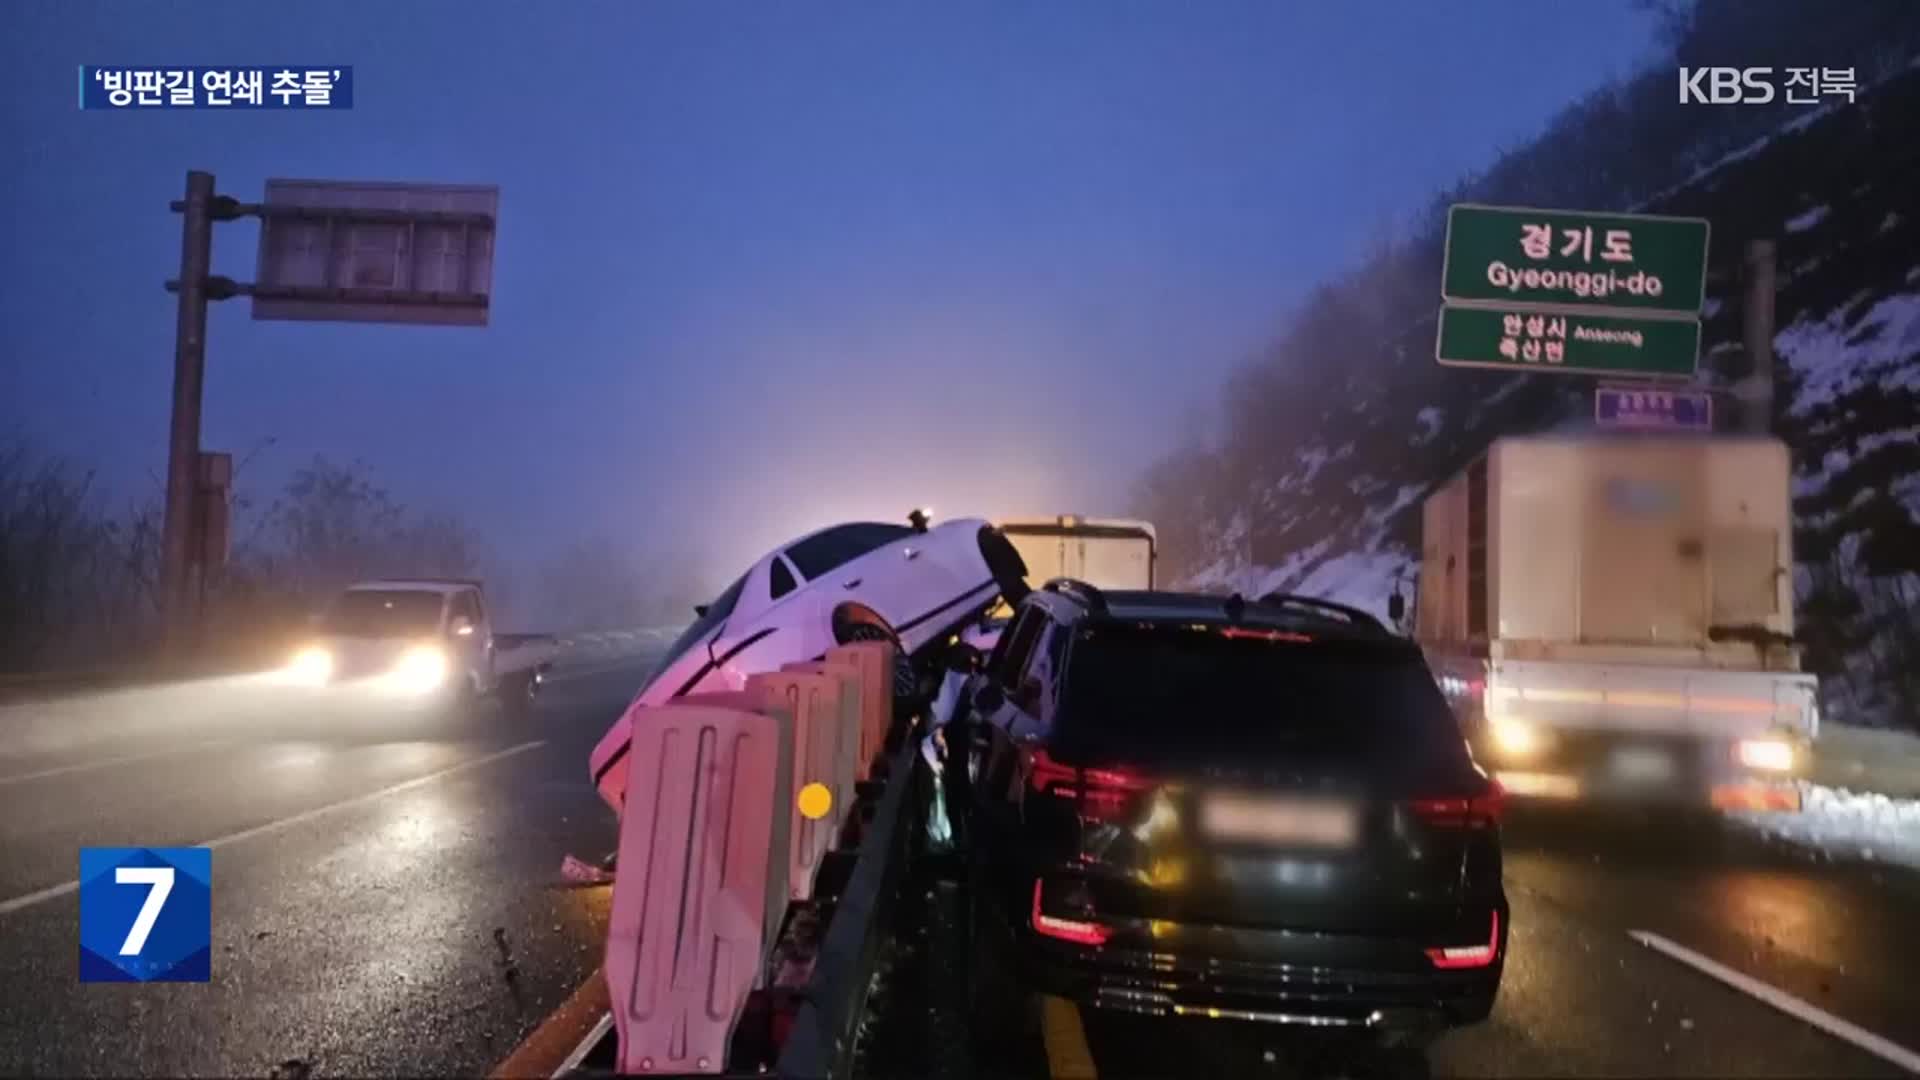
160, 880
146, 914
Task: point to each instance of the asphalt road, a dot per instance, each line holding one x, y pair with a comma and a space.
1581, 997
386, 892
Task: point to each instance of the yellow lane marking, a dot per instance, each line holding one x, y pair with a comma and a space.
1067, 1053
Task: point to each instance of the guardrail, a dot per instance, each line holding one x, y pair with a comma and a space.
702, 978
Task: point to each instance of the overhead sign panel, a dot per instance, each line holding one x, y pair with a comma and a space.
1567, 342
1568, 259
376, 252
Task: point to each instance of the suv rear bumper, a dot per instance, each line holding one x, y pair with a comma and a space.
1309, 980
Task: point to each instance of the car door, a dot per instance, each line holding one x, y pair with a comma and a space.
863, 562
1000, 734
468, 639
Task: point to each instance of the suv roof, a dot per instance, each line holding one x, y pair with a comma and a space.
1142, 605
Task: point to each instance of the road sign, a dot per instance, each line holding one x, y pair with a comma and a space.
1522, 340
1567, 259
371, 252
1645, 407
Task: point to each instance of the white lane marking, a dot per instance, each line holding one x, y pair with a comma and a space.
63, 770
7, 907
1785, 1002
586, 1046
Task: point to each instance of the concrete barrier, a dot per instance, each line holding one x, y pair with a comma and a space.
851, 712
689, 931
873, 660
823, 741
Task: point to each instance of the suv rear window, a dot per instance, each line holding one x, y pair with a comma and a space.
1169, 692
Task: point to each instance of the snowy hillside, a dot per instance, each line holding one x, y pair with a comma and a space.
1318, 489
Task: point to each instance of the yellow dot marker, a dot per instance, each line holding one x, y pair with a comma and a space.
815, 801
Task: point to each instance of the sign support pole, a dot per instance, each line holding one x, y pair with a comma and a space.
183, 445
1757, 409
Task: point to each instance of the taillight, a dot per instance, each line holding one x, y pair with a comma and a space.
1468, 956
1080, 933
1101, 793
1461, 812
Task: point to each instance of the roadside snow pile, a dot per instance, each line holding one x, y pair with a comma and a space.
1848, 824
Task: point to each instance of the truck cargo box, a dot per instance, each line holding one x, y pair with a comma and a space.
1633, 549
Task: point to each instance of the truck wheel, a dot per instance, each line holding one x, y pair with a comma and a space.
517, 693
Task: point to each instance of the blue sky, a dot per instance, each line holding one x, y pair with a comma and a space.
760, 266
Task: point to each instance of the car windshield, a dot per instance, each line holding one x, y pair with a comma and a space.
384, 613
702, 628
1167, 693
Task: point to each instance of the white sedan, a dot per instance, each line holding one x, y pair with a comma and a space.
912, 585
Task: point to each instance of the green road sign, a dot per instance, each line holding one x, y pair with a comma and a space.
1559, 258
1528, 340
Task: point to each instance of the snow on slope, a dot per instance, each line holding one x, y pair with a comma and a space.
1847, 824
1837, 354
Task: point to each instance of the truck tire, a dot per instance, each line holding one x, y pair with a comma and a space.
517, 692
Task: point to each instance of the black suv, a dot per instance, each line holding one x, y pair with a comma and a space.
1254, 810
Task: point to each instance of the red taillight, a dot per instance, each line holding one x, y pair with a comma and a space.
1080, 933
1464, 956
1099, 792
1461, 812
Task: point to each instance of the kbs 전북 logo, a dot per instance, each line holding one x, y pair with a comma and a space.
146, 914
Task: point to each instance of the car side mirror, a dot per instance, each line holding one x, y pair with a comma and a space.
989, 698
1396, 606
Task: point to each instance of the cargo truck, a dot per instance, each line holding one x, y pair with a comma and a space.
1108, 553
1611, 617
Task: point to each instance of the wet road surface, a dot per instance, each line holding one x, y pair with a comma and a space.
1581, 995
386, 893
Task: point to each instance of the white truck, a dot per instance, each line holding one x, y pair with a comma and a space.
1107, 553
421, 641
1612, 617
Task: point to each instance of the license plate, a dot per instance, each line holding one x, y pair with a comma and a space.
1643, 764
1312, 823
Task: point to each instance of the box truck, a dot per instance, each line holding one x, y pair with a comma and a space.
1611, 616
1107, 553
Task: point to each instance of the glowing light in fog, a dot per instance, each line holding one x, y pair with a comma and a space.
420, 670
1515, 738
1767, 755
311, 666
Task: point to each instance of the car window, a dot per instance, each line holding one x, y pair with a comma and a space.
780, 579
465, 608
703, 628
823, 552
1026, 631
1253, 697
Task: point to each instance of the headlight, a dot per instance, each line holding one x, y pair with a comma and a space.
311, 666
1766, 755
1514, 738
419, 670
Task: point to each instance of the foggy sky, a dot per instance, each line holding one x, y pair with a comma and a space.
759, 266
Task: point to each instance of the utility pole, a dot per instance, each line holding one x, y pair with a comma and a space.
1757, 401
179, 539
